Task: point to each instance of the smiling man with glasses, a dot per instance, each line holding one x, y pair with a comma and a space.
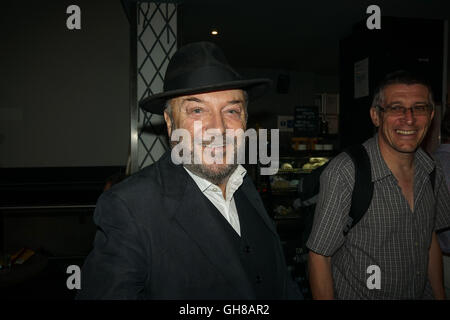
410, 202
399, 110
403, 113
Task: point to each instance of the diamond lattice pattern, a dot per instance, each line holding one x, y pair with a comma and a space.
157, 42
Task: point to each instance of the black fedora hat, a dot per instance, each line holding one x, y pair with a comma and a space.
201, 67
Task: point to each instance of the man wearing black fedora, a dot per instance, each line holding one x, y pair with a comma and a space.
191, 230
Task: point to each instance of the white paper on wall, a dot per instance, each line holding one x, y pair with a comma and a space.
286, 123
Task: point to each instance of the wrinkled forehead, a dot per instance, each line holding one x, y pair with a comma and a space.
412, 93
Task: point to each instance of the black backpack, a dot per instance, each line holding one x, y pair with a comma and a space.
361, 196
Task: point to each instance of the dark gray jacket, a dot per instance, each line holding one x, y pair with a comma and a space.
155, 240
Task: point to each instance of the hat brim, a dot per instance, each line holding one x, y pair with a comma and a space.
254, 88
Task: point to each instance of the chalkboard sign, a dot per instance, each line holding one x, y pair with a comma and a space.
306, 121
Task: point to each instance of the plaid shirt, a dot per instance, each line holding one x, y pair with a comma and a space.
389, 235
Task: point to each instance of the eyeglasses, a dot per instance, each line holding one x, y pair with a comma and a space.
399, 110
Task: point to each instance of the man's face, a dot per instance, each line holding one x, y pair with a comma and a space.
402, 133
219, 110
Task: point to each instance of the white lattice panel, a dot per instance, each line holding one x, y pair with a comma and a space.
156, 43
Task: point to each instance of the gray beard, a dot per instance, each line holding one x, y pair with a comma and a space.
216, 177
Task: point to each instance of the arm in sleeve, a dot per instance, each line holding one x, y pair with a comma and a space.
435, 272
116, 268
333, 206
442, 201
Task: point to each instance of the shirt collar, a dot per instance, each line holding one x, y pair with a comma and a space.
234, 182
379, 167
423, 159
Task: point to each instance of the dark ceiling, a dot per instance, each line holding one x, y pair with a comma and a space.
294, 35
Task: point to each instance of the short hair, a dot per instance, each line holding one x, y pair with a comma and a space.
445, 128
401, 77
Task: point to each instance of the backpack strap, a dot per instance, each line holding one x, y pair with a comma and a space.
363, 188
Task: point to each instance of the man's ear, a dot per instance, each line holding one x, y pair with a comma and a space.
168, 123
375, 116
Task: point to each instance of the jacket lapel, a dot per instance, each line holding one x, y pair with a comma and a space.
253, 196
194, 215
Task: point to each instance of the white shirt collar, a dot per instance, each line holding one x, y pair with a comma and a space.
234, 182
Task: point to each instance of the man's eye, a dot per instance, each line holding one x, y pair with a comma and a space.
420, 108
234, 111
196, 110
396, 108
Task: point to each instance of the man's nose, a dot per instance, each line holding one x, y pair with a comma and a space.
217, 122
409, 115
